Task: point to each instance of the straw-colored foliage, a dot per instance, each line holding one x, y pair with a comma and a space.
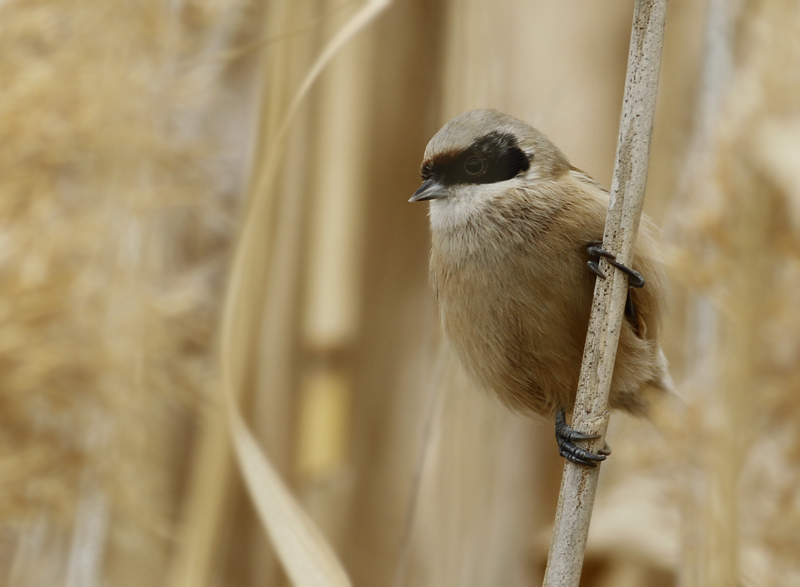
739, 247
114, 232
155, 155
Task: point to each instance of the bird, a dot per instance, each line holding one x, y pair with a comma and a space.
516, 236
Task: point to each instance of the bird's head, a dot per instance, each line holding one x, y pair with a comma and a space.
482, 153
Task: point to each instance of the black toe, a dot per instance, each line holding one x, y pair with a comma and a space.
566, 437
595, 268
595, 249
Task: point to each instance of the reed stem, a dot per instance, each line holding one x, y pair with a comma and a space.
579, 483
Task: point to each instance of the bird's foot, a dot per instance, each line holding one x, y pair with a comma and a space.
595, 249
566, 437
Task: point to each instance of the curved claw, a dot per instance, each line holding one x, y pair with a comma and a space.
565, 437
595, 268
635, 278
579, 456
595, 249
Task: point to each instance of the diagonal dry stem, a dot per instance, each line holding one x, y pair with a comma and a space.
579, 483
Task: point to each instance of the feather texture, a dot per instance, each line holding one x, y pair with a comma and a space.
508, 265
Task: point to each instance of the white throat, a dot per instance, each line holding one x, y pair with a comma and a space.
466, 203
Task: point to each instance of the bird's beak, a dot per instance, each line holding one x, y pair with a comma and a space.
430, 190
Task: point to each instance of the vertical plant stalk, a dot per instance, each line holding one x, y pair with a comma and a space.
579, 483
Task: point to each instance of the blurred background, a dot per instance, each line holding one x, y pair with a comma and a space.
180, 217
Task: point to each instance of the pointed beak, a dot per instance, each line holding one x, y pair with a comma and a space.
430, 190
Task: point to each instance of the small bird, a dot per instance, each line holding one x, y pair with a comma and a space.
516, 238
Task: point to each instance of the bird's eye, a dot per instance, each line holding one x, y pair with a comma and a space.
474, 165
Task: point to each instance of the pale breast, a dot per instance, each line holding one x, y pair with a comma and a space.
515, 318
515, 294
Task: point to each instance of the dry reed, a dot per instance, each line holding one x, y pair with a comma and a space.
591, 414
132, 134
736, 249
114, 223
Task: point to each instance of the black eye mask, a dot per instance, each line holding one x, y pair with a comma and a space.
491, 158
